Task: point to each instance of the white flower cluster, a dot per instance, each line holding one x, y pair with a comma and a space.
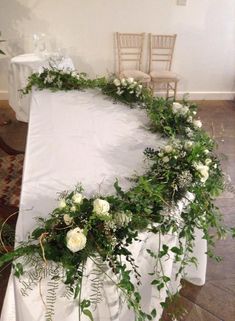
75, 74
49, 79
122, 219
128, 84
178, 108
183, 110
70, 205
203, 169
75, 238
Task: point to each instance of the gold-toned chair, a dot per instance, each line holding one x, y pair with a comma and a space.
129, 54
161, 50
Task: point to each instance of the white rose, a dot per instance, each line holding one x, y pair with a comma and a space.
117, 82
77, 198
184, 110
62, 203
194, 112
190, 119
123, 82
204, 173
176, 107
130, 80
68, 219
75, 240
168, 148
206, 151
208, 161
165, 159
197, 123
188, 144
101, 207
73, 208
203, 170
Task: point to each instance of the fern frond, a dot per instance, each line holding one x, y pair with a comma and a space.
51, 298
97, 281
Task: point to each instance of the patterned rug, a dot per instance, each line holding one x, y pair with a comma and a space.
11, 168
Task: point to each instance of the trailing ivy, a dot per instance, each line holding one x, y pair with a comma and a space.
102, 229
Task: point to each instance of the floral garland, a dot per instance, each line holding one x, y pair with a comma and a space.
102, 228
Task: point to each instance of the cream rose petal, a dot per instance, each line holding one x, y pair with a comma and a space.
75, 240
101, 207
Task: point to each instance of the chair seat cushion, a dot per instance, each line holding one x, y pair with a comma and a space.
164, 74
136, 74
11, 168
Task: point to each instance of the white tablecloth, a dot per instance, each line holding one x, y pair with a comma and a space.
83, 137
21, 68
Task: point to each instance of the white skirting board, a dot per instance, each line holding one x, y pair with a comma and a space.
3, 95
193, 95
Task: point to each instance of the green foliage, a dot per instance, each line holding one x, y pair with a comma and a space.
186, 168
7, 234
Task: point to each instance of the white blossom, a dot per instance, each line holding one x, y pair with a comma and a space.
165, 159
77, 198
188, 144
130, 80
197, 123
67, 219
203, 170
73, 208
189, 132
123, 218
49, 79
62, 203
123, 82
168, 148
75, 240
208, 161
101, 207
184, 110
176, 107
117, 82
119, 91
190, 119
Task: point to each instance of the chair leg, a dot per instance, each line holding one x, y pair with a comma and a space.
167, 90
175, 90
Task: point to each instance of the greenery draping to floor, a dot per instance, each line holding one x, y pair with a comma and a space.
101, 228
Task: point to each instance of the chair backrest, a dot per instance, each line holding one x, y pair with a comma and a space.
129, 50
161, 50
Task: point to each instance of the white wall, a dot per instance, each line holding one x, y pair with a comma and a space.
205, 47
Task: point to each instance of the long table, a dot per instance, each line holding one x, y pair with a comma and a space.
83, 137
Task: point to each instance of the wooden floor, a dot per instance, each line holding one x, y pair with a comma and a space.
215, 301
